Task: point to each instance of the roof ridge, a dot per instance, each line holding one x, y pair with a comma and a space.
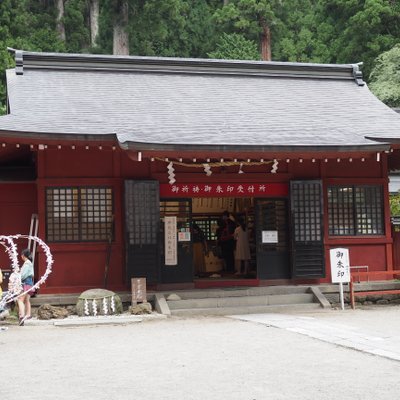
112, 63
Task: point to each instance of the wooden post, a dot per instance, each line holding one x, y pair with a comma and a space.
352, 300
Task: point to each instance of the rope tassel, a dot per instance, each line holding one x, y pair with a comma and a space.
274, 166
171, 173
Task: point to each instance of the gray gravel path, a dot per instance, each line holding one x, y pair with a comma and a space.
197, 358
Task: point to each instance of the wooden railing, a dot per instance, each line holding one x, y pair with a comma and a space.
393, 274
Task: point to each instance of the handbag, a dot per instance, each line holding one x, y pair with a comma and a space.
33, 292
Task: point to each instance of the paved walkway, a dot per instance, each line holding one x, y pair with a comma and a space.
343, 328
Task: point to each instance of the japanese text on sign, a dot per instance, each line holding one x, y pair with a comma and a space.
223, 190
171, 243
138, 290
340, 265
269, 237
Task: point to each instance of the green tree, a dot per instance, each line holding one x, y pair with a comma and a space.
385, 77
24, 24
160, 29
298, 37
255, 19
77, 28
179, 28
360, 29
173, 28
234, 46
394, 201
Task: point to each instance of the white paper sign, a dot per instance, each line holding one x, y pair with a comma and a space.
340, 265
184, 236
171, 243
270, 236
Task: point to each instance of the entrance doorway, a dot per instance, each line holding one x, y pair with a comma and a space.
273, 254
265, 222
224, 257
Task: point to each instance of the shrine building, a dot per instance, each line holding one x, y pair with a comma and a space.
119, 156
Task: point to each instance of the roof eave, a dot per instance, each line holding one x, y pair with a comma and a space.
58, 136
388, 140
222, 148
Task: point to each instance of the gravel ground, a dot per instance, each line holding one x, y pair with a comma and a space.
196, 358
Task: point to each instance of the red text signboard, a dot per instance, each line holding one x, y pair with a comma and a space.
223, 189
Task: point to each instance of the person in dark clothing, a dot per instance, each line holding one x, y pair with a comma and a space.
227, 242
199, 249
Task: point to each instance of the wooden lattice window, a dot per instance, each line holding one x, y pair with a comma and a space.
355, 210
75, 214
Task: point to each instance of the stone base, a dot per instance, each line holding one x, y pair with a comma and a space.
142, 308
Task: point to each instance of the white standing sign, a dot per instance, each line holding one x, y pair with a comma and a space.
170, 240
340, 269
340, 265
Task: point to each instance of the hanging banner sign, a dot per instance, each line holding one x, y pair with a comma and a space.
171, 242
224, 190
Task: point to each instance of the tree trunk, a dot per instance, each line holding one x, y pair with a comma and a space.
59, 20
265, 43
94, 10
226, 2
121, 37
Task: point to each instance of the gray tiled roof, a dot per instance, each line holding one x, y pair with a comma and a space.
159, 103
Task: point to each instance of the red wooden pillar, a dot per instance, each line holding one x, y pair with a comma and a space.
386, 202
41, 208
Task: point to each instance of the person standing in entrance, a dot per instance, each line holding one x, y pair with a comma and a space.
24, 303
242, 253
199, 250
227, 241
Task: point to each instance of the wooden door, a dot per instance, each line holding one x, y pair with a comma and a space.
308, 260
272, 255
142, 226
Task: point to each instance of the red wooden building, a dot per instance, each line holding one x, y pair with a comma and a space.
137, 148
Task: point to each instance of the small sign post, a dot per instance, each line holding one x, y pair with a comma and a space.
340, 269
139, 294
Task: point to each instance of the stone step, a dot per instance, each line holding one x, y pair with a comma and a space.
54, 300
242, 301
68, 299
239, 292
281, 308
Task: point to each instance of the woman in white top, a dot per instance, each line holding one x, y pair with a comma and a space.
242, 252
24, 304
